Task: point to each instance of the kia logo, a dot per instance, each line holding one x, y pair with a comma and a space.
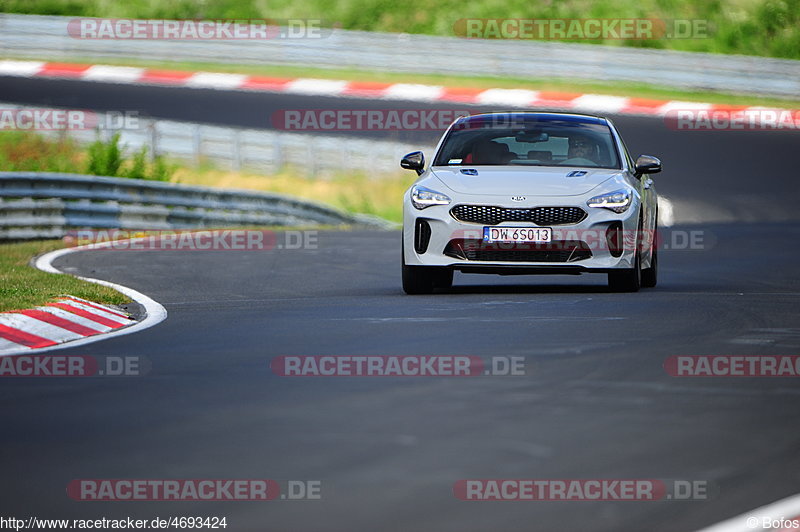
517, 198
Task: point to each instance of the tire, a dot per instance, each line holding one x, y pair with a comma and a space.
650, 275
425, 279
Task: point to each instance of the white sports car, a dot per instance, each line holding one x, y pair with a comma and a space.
529, 193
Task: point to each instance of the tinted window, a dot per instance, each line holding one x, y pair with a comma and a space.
504, 140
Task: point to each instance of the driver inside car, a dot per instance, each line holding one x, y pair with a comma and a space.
583, 149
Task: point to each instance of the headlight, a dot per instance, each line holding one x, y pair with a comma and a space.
422, 197
618, 201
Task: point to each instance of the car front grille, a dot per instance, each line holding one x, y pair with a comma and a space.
491, 215
556, 251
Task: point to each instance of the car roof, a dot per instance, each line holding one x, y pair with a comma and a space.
533, 117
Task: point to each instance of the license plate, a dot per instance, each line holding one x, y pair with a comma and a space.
517, 234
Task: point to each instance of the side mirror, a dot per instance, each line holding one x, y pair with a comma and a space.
647, 164
413, 161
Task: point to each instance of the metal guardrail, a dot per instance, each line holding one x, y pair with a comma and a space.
38, 36
48, 205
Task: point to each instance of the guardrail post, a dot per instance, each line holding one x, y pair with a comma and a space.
237, 150
197, 144
312, 160
277, 152
153, 139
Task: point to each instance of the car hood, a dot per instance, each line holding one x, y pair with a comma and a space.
523, 180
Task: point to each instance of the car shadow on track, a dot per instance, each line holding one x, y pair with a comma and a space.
527, 289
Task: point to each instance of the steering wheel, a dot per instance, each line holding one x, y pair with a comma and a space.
578, 161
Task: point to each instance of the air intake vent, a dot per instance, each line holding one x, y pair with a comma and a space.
422, 236
556, 251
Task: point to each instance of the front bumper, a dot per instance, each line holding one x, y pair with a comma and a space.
602, 241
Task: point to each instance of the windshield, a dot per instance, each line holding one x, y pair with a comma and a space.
505, 140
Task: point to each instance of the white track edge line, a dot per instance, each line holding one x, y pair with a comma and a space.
788, 508
155, 312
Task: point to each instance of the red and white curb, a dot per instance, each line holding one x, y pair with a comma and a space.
66, 319
780, 516
519, 98
71, 321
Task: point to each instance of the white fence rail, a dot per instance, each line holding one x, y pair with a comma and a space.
47, 37
261, 151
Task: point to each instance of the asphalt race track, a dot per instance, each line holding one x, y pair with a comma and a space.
596, 401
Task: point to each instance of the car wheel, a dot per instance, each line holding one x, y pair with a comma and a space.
425, 279
650, 275
629, 279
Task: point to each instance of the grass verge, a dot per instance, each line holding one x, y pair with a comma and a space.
25, 151
23, 286
354, 193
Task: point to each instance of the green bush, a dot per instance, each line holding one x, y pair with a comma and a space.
138, 167
105, 158
72, 8
160, 170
